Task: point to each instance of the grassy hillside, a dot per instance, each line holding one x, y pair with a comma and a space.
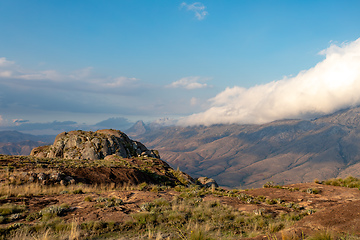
78, 210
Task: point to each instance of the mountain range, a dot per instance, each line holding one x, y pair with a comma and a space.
284, 152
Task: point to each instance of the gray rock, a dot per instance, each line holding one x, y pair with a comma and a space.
43, 176
207, 182
93, 145
55, 176
68, 178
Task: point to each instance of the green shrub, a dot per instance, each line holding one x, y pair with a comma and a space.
78, 191
88, 199
143, 186
53, 211
271, 201
276, 227
10, 208
33, 216
3, 219
268, 184
322, 235
316, 191
199, 234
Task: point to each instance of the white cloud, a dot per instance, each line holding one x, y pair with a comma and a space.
332, 84
39, 75
120, 81
85, 80
197, 7
194, 101
189, 83
8, 69
5, 74
18, 122
4, 62
81, 73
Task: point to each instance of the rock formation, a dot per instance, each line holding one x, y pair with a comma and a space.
93, 145
207, 182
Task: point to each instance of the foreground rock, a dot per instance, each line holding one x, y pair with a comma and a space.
93, 145
113, 170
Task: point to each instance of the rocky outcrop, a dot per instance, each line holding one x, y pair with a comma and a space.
207, 182
93, 145
46, 178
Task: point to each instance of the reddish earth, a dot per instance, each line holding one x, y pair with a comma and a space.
107, 175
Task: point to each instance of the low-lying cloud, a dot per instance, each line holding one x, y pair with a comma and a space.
332, 84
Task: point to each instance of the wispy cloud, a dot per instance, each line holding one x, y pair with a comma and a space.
85, 80
25, 91
197, 7
189, 83
120, 82
19, 121
194, 101
332, 84
4, 62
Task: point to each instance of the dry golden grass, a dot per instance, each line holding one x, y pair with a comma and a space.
39, 189
47, 234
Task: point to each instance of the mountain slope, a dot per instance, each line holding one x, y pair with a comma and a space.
17, 143
285, 152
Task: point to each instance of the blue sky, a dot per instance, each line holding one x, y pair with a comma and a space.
87, 61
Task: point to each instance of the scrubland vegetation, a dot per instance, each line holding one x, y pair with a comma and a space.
350, 182
173, 211
186, 216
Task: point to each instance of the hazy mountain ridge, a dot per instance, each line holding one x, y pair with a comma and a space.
17, 143
286, 151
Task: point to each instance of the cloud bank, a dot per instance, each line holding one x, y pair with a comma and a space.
197, 7
26, 91
332, 84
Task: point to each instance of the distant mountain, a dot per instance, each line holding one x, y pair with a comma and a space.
17, 143
137, 129
119, 123
15, 136
287, 151
140, 127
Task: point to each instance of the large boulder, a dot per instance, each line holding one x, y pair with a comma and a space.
207, 182
93, 145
